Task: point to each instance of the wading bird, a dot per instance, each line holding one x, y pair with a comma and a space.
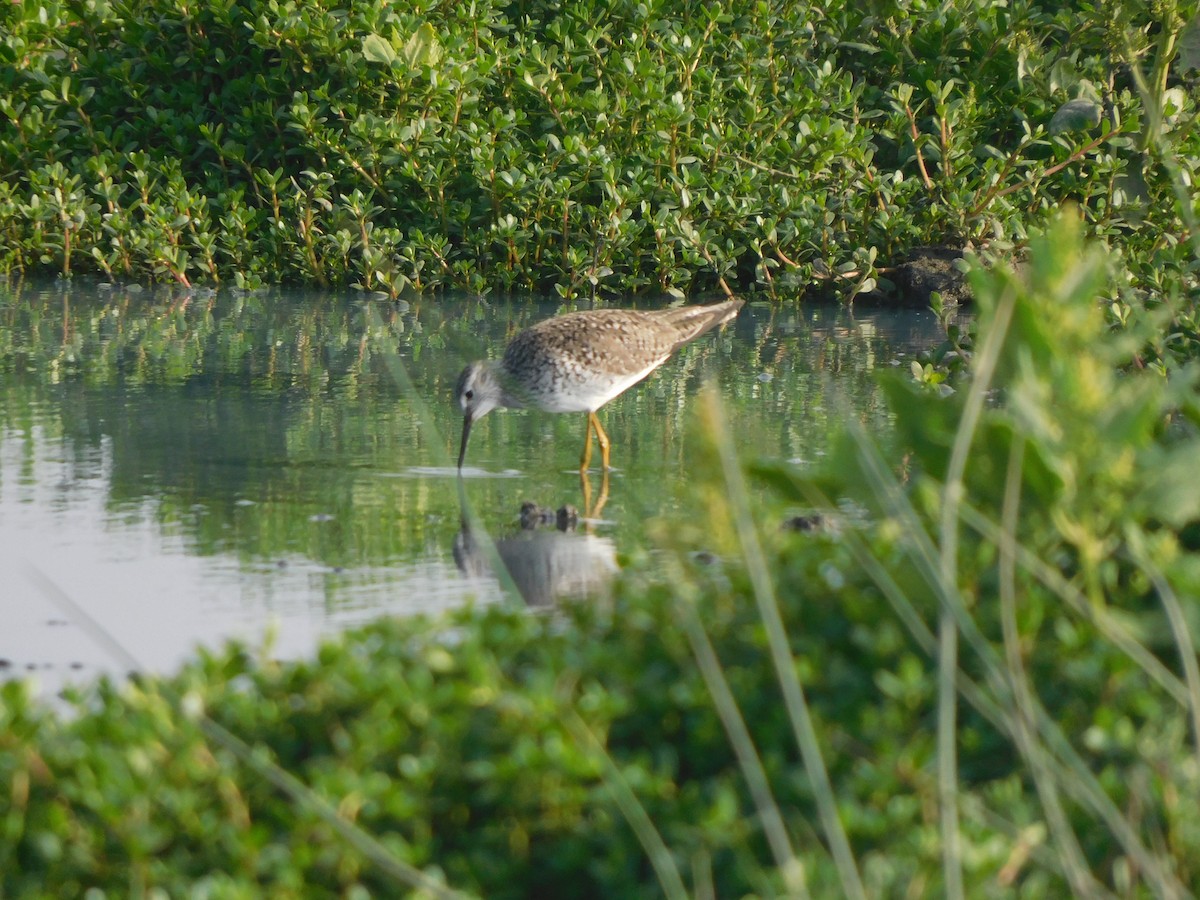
579, 361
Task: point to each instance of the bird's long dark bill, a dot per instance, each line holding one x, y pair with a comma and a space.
462, 450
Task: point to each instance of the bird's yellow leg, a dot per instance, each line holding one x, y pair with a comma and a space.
594, 512
586, 484
602, 440
587, 444
589, 511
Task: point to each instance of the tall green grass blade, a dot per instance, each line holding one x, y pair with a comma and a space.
947, 754
1082, 783
739, 738
990, 708
635, 814
1075, 868
781, 655
702, 883
1178, 623
1108, 626
952, 497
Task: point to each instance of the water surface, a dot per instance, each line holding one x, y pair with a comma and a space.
187, 467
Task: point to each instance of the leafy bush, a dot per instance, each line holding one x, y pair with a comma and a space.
585, 146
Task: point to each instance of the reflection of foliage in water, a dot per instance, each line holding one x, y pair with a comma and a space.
269, 428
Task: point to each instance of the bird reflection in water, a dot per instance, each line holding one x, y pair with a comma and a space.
546, 558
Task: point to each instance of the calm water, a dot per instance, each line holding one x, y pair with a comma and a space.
188, 467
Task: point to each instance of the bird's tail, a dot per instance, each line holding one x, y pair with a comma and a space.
693, 321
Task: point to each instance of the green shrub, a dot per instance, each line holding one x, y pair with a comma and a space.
587, 146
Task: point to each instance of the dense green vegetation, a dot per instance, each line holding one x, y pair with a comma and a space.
583, 754
589, 145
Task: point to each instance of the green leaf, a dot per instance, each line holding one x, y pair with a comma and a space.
1075, 115
1174, 102
376, 49
1170, 491
423, 48
1189, 48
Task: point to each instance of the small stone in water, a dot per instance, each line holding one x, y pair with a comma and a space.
812, 522
533, 515
567, 517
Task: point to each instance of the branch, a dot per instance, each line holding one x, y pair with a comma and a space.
1074, 157
912, 124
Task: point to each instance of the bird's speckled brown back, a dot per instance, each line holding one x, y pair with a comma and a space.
616, 342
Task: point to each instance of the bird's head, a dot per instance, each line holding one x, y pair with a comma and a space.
478, 392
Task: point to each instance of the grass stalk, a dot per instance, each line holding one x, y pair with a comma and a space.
1177, 621
781, 654
947, 755
952, 498
702, 882
1076, 776
1070, 853
1108, 626
635, 814
739, 738
980, 700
